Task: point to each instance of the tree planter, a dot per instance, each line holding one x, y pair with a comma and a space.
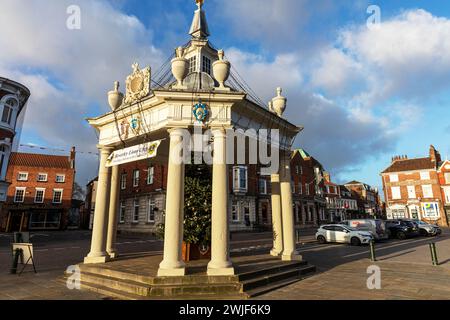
192, 252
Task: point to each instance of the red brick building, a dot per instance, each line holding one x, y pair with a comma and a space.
40, 192
444, 181
415, 188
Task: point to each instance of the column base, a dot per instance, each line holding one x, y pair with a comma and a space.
221, 271
113, 255
275, 253
291, 257
176, 272
96, 260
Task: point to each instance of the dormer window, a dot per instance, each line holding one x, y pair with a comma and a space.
206, 65
193, 64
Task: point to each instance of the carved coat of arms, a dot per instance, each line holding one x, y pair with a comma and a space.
138, 84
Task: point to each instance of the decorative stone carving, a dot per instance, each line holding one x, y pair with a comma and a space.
279, 103
221, 70
180, 67
138, 84
115, 97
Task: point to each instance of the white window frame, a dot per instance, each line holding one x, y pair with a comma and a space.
447, 194
237, 179
59, 175
447, 177
136, 178
136, 204
24, 174
425, 211
61, 197
427, 190
393, 178
300, 188
44, 175
151, 205
235, 212
24, 189
307, 189
411, 192
36, 193
151, 175
123, 181
123, 211
397, 194
425, 175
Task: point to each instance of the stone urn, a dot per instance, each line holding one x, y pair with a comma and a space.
221, 70
180, 66
279, 103
115, 97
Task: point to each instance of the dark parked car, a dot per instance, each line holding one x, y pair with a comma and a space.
402, 229
426, 229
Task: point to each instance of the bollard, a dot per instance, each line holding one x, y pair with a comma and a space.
372, 251
434, 258
17, 254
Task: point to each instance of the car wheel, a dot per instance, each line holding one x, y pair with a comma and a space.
423, 233
321, 239
401, 236
355, 241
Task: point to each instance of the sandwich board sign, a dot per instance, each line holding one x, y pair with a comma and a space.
25, 255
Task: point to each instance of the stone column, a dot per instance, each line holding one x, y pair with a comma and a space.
289, 250
276, 216
220, 264
98, 244
173, 264
113, 214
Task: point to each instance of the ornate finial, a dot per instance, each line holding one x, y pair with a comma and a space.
135, 67
279, 91
199, 3
116, 86
221, 54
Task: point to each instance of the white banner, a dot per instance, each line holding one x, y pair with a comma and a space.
143, 151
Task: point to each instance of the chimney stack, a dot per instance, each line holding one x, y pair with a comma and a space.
434, 155
72, 157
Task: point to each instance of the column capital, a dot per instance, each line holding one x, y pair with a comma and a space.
103, 148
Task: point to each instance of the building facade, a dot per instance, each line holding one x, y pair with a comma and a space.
40, 192
416, 188
13, 100
444, 181
368, 200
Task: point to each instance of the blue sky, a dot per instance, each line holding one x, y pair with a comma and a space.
363, 95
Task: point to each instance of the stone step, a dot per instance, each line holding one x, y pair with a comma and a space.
116, 274
271, 269
124, 285
273, 286
110, 292
199, 290
268, 279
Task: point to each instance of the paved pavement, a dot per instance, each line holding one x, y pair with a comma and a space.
406, 270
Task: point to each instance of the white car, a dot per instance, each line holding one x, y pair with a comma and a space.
343, 234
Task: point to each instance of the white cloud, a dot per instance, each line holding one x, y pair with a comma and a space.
69, 71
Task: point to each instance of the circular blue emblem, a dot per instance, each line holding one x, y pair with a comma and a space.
200, 112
